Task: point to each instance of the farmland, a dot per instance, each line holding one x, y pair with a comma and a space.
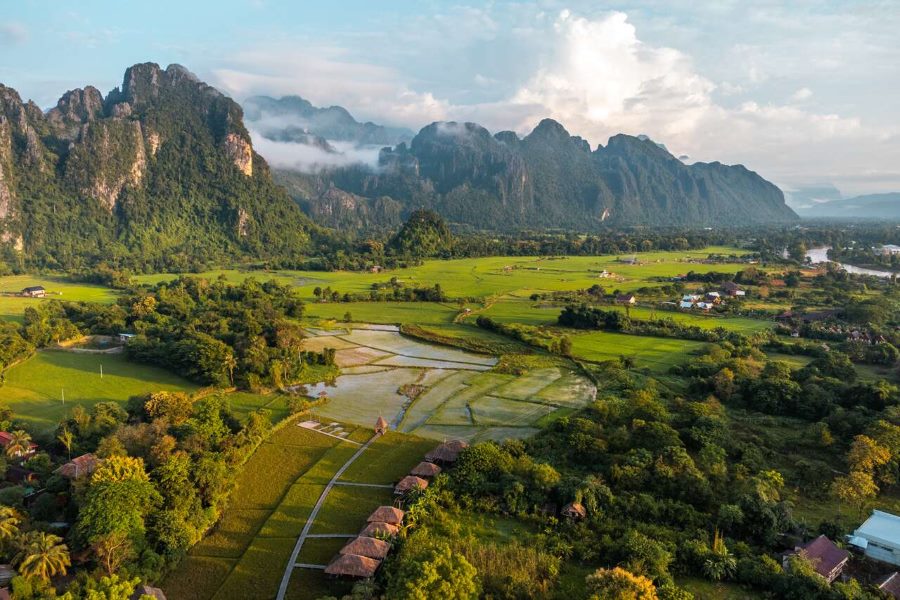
246, 554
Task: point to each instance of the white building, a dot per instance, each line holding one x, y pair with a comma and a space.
879, 537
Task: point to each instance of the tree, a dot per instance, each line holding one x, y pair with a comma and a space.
44, 556
866, 455
435, 573
105, 588
719, 563
113, 550
174, 406
67, 439
19, 444
854, 488
10, 520
619, 584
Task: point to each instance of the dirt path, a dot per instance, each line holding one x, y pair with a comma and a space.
292, 563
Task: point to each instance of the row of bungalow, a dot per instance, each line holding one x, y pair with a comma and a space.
361, 556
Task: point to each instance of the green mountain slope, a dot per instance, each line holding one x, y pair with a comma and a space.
158, 174
549, 179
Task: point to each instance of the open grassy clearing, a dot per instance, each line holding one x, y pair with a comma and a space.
384, 312
34, 389
656, 353
347, 507
13, 307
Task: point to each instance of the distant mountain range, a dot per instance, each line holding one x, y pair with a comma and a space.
548, 179
870, 206
158, 173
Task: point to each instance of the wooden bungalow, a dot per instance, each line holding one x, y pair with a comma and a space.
627, 299
889, 584
410, 483
367, 546
425, 469
379, 530
36, 291
386, 514
574, 511
79, 466
6, 439
353, 565
827, 559
381, 425
447, 453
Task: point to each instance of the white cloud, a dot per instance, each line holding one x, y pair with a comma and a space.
12, 33
310, 159
803, 93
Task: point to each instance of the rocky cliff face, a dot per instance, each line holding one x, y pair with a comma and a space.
553, 179
160, 164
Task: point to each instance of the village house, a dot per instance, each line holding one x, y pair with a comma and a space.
713, 297
574, 511
879, 537
36, 291
627, 299
733, 289
379, 530
410, 483
447, 453
353, 565
6, 439
145, 590
889, 584
386, 514
425, 470
124, 337
825, 557
366, 546
79, 466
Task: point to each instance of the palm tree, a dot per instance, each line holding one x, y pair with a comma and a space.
10, 519
44, 556
19, 444
67, 439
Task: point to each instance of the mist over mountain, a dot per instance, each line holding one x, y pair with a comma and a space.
548, 179
868, 206
159, 170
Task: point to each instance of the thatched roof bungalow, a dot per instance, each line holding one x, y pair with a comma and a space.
425, 469
447, 453
410, 483
386, 514
353, 565
380, 530
366, 546
381, 425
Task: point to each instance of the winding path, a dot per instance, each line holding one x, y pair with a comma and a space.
292, 563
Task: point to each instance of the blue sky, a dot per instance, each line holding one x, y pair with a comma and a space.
803, 92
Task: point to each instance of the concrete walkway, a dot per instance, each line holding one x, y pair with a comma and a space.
286, 578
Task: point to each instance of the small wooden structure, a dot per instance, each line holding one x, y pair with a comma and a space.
79, 466
447, 453
380, 530
827, 559
353, 565
890, 584
628, 299
386, 514
425, 469
381, 425
574, 511
410, 483
367, 546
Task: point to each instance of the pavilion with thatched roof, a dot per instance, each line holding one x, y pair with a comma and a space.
574, 510
381, 425
386, 514
447, 453
425, 469
353, 565
380, 530
367, 546
410, 483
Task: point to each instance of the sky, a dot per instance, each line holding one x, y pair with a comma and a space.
803, 92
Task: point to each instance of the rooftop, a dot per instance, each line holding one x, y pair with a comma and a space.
882, 528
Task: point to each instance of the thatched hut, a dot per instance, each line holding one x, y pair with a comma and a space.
353, 565
574, 511
410, 483
447, 453
425, 469
366, 546
381, 425
380, 530
386, 514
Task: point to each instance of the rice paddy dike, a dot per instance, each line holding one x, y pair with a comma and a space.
438, 392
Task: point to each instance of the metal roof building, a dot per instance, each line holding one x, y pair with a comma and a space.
879, 537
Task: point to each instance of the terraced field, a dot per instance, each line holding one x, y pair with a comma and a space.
438, 392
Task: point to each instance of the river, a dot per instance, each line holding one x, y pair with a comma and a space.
820, 255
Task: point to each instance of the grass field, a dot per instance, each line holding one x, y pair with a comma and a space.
12, 307
656, 353
34, 389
